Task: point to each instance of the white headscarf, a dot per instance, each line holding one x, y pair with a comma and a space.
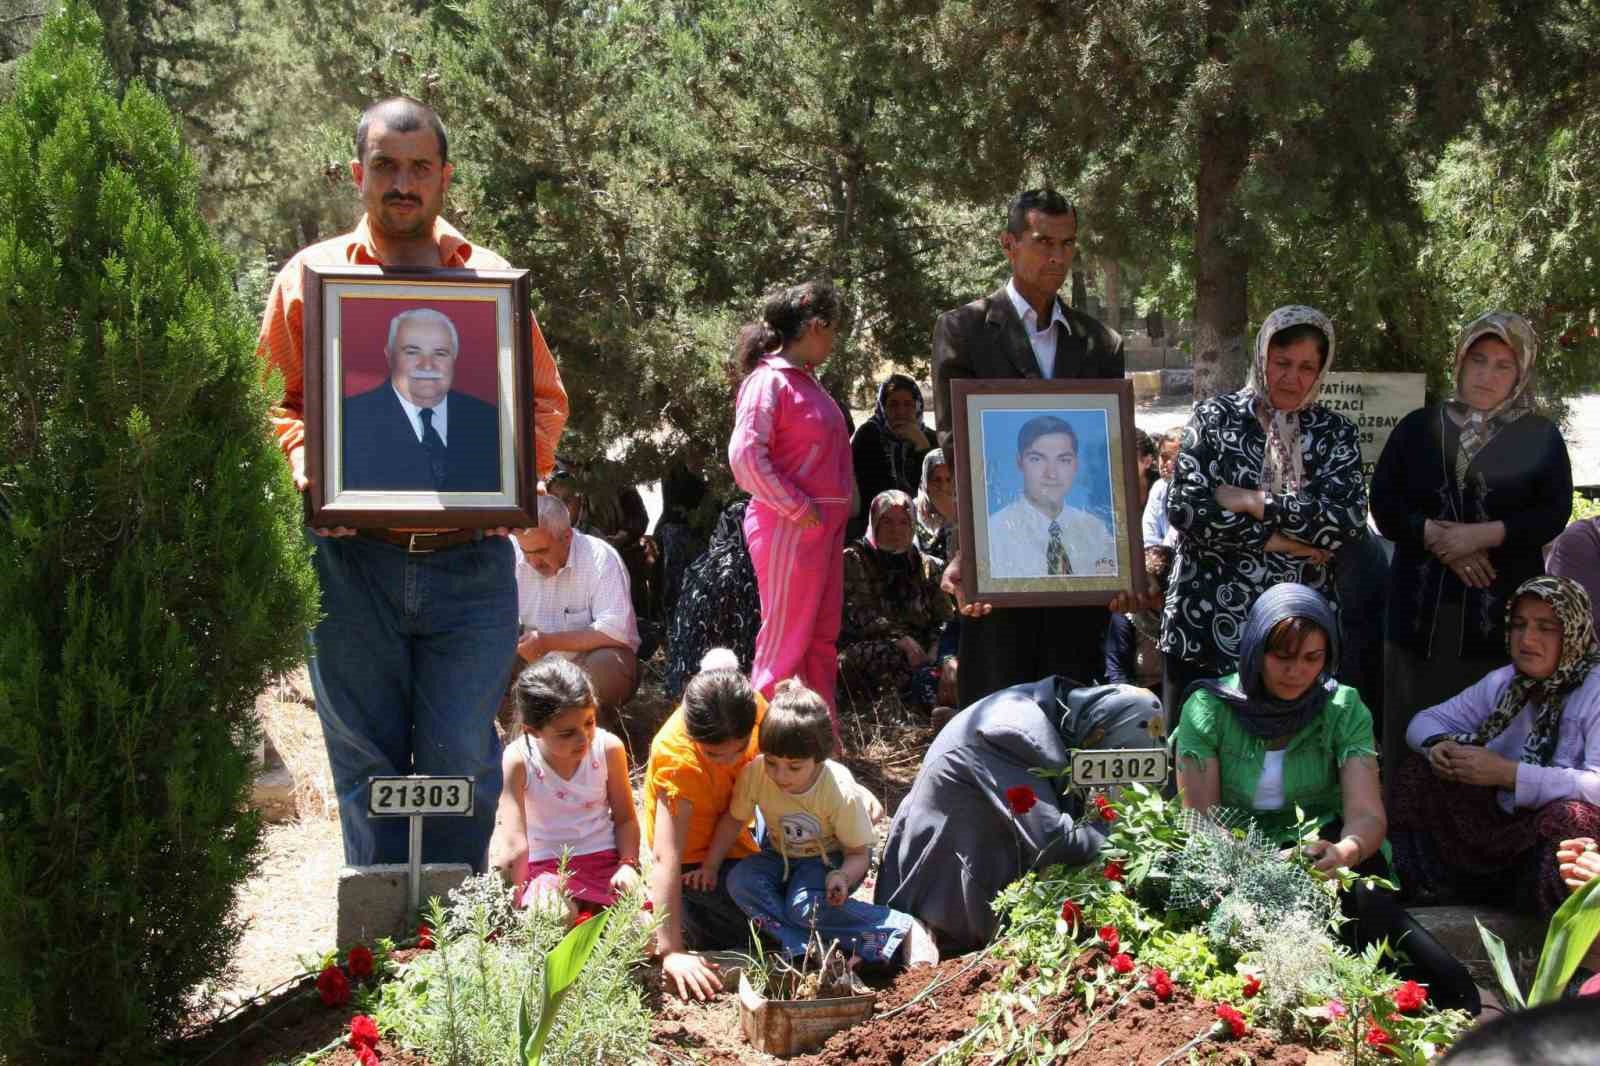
1281, 467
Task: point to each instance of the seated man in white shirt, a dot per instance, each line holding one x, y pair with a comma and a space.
1037, 534
573, 600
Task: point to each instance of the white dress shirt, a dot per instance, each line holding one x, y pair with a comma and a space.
1042, 340
441, 416
1157, 530
590, 592
1019, 537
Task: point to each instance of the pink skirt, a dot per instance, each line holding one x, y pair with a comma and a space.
588, 878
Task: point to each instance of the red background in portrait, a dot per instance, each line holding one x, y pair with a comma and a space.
365, 330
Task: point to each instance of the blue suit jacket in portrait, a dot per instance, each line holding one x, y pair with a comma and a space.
382, 452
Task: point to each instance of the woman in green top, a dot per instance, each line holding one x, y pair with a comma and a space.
1282, 733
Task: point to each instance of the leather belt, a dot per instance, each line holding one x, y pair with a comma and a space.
423, 543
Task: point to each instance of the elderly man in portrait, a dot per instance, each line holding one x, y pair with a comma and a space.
1024, 330
1038, 534
413, 431
419, 627
574, 600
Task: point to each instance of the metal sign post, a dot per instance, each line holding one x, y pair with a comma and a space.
416, 797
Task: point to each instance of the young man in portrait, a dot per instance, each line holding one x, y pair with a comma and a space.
1038, 534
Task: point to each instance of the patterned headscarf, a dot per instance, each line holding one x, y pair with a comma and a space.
1478, 428
1281, 467
882, 503
929, 516
1259, 712
1579, 656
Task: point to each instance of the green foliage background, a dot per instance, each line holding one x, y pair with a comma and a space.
152, 570
659, 164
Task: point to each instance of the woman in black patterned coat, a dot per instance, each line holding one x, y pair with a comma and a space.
1268, 485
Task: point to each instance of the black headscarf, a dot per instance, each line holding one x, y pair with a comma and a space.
1261, 714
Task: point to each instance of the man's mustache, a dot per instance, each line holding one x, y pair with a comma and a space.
402, 198
426, 375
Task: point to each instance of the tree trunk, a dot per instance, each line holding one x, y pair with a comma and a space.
1222, 265
1113, 293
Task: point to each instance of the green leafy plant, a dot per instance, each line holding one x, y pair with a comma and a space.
1573, 929
153, 569
561, 969
469, 999
1276, 959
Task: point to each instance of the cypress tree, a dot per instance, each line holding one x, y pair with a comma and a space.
152, 571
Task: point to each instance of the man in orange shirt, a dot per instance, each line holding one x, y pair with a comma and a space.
419, 630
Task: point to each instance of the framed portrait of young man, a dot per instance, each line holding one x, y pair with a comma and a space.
1047, 490
418, 398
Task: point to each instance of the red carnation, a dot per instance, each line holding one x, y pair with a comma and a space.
1410, 997
333, 987
1113, 871
367, 1056
1122, 963
1229, 1020
1378, 1037
1160, 983
1252, 985
1072, 914
1021, 798
363, 1031
1110, 939
1107, 812
425, 936
359, 961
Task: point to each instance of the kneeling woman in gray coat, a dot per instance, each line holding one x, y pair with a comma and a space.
954, 842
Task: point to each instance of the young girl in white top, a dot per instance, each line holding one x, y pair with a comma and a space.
566, 791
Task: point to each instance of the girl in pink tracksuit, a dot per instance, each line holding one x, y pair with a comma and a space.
791, 451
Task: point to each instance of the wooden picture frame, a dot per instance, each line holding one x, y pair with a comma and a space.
1008, 555
366, 456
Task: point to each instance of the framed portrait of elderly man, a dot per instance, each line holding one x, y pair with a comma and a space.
418, 398
1048, 491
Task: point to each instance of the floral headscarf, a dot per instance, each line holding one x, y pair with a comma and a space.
882, 503
1281, 466
1478, 428
1579, 656
929, 517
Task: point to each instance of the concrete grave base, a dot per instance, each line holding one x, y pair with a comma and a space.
1456, 930
372, 899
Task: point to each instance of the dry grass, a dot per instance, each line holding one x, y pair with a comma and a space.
290, 724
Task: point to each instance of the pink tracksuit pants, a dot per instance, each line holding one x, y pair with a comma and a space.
800, 575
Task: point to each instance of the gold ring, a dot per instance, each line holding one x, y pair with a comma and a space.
1591, 846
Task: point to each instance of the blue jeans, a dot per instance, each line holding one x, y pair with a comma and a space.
787, 910
408, 666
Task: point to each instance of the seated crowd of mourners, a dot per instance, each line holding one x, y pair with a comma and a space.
1272, 623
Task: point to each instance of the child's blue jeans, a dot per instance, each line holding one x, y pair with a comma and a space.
784, 910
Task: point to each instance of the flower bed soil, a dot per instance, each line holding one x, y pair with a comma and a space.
1143, 1030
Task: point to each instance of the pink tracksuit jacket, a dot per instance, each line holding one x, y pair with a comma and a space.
791, 451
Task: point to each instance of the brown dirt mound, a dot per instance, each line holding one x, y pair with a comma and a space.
1142, 1030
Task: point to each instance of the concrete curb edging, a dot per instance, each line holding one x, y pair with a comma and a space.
372, 899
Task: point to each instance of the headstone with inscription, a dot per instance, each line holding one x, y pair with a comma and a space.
1375, 403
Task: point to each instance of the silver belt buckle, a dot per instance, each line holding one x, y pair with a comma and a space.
412, 548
